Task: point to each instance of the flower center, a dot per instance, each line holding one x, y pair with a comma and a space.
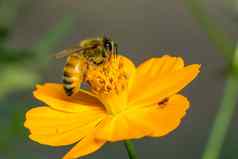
109, 82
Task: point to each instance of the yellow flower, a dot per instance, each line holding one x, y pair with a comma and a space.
124, 102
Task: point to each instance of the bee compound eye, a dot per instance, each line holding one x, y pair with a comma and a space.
108, 45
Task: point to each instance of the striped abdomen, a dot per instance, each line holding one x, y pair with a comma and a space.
73, 74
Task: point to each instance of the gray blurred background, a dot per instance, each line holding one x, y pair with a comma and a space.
143, 29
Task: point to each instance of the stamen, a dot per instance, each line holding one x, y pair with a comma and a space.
109, 82
109, 78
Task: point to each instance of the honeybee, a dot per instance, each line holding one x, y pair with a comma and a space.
94, 52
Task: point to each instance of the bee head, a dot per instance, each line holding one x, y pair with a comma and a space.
109, 45
99, 49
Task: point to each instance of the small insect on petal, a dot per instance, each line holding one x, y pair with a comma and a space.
162, 104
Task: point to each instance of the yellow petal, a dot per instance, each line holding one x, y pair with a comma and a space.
86, 146
154, 120
159, 66
159, 78
52, 127
130, 67
131, 124
53, 95
167, 117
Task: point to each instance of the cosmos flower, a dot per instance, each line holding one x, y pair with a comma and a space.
123, 102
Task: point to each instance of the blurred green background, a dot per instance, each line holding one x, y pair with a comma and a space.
201, 31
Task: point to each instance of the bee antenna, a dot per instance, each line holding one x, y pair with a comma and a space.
105, 37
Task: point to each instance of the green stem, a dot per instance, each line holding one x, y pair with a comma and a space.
40, 60
130, 149
213, 30
222, 120
227, 107
225, 113
55, 35
44, 47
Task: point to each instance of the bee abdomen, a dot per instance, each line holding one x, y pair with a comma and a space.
71, 83
68, 84
72, 75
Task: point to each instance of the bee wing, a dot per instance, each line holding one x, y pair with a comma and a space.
67, 52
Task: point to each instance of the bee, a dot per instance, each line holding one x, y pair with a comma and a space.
94, 52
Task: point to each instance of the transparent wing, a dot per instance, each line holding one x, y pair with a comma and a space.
67, 52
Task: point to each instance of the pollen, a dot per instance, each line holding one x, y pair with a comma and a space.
110, 83
110, 78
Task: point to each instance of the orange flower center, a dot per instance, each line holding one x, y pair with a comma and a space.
109, 83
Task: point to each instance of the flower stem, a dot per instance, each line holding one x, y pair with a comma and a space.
130, 149
225, 113
213, 30
223, 119
228, 103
